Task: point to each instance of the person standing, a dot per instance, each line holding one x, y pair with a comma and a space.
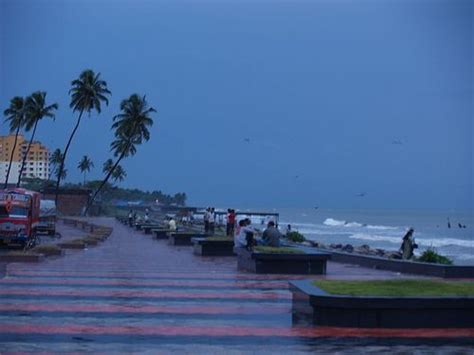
212, 221
207, 216
130, 218
230, 222
172, 224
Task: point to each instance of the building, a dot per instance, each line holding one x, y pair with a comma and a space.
36, 165
71, 202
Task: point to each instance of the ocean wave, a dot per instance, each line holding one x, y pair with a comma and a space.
441, 242
333, 222
381, 227
337, 223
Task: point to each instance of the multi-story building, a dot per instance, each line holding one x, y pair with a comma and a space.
36, 164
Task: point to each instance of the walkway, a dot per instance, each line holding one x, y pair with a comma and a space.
136, 294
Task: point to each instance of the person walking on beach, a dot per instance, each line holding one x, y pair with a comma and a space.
408, 245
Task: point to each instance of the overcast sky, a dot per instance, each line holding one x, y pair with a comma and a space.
263, 103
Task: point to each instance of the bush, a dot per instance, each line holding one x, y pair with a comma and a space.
296, 237
431, 256
277, 250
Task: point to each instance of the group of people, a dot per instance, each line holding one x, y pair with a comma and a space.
246, 236
134, 218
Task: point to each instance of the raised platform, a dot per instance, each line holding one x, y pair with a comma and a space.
213, 247
183, 238
161, 233
272, 263
311, 304
403, 266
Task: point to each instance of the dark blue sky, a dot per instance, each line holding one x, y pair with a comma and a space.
320, 88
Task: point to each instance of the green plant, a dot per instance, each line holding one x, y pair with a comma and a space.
216, 237
277, 250
431, 256
296, 237
397, 288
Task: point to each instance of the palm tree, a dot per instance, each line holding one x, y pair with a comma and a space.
35, 110
54, 161
131, 129
85, 165
63, 174
119, 174
107, 166
87, 94
15, 115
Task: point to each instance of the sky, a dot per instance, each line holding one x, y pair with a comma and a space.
263, 103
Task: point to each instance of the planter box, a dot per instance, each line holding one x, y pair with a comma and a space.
273, 263
205, 247
182, 238
404, 266
148, 227
23, 258
311, 304
161, 233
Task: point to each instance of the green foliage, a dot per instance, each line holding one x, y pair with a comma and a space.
277, 250
397, 288
219, 238
431, 256
296, 237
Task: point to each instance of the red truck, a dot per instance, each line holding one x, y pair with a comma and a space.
19, 216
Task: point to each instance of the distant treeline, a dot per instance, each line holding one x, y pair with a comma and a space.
112, 194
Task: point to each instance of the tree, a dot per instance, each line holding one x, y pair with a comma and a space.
107, 166
119, 174
15, 116
87, 94
54, 161
131, 129
35, 110
63, 174
85, 165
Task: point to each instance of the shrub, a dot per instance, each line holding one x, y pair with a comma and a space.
431, 256
296, 237
277, 250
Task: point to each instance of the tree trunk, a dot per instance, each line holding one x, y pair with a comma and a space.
63, 157
26, 154
105, 180
11, 155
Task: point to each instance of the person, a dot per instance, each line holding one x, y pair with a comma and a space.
239, 239
248, 234
147, 216
408, 245
134, 217
230, 222
212, 221
172, 224
288, 229
207, 217
130, 218
271, 236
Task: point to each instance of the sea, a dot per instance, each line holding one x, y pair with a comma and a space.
448, 232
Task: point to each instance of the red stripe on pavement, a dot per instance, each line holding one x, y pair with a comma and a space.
210, 331
186, 275
244, 309
144, 294
138, 282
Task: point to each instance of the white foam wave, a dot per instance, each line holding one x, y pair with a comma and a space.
442, 242
381, 227
333, 222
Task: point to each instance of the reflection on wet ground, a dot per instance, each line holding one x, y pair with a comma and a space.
137, 294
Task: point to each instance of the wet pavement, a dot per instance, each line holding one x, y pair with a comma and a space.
136, 294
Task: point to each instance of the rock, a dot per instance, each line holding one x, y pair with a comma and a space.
364, 249
394, 255
380, 252
348, 248
335, 246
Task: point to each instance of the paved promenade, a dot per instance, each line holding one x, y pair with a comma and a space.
136, 294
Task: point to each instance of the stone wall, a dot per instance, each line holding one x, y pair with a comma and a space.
71, 202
